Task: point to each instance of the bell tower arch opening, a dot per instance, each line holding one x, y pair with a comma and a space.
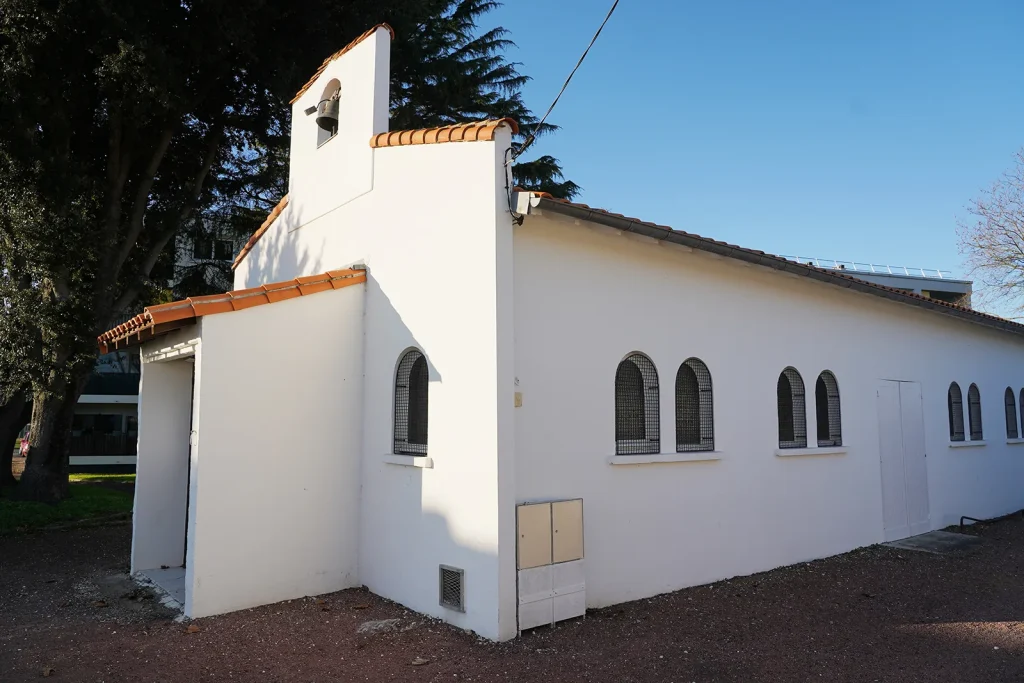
327, 112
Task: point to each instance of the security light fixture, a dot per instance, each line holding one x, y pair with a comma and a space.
309, 110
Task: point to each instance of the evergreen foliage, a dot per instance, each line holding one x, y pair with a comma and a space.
126, 124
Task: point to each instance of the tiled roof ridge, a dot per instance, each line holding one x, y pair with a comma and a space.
320, 71
179, 313
781, 263
472, 131
271, 217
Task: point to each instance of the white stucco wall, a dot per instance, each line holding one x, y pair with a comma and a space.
326, 177
435, 235
276, 465
586, 296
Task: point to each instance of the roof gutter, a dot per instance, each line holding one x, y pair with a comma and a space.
664, 234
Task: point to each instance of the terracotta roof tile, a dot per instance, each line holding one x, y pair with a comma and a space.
163, 318
271, 217
320, 71
460, 132
779, 263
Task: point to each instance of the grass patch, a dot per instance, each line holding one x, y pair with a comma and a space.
84, 502
101, 478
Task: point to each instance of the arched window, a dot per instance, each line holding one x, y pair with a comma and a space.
636, 407
327, 112
826, 404
792, 410
974, 412
955, 403
1011, 414
695, 410
411, 383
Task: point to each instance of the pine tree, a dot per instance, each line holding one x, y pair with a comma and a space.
449, 72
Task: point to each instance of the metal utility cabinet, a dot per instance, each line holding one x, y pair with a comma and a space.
552, 584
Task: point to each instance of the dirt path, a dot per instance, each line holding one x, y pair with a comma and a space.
873, 615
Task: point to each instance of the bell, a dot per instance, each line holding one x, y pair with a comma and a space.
327, 114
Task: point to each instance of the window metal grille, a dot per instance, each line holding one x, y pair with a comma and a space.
827, 412
637, 429
451, 587
1011, 414
792, 410
695, 411
974, 412
411, 382
955, 403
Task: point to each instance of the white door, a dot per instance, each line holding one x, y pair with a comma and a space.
904, 469
914, 463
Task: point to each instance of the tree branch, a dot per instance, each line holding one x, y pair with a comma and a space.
118, 163
158, 245
142, 199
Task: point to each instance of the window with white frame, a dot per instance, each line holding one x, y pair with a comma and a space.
955, 404
974, 412
637, 429
411, 383
1011, 414
827, 410
695, 411
792, 410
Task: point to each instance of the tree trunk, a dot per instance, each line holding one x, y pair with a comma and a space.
45, 478
13, 416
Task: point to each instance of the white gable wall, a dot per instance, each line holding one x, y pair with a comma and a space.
435, 235
587, 296
276, 465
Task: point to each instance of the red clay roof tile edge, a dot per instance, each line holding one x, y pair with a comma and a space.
320, 70
779, 263
472, 131
187, 310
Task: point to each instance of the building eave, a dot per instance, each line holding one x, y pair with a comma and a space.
760, 258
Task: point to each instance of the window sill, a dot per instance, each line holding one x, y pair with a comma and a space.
321, 144
967, 444
420, 461
1015, 441
654, 458
820, 450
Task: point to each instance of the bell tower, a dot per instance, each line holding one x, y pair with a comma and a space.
334, 116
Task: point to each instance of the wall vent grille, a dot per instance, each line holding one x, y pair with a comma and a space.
452, 587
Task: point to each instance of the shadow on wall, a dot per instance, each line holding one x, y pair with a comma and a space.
277, 257
416, 520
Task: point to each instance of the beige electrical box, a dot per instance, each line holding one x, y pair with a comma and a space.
567, 530
551, 582
533, 523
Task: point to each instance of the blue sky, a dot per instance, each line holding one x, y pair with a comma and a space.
850, 130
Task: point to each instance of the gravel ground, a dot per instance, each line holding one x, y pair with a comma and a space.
877, 614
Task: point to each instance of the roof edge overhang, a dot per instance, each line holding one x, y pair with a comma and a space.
666, 234
159, 320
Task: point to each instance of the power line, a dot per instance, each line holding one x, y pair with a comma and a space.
529, 140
